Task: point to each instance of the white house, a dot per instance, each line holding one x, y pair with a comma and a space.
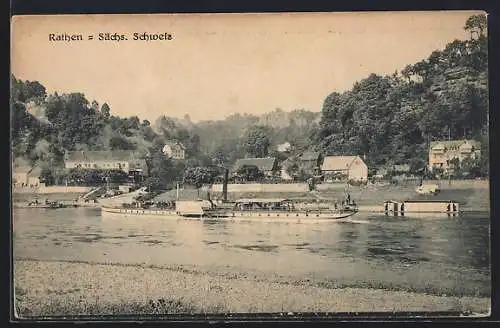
124, 160
284, 147
25, 176
174, 150
441, 153
344, 167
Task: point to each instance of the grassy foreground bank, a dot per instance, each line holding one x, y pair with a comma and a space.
65, 289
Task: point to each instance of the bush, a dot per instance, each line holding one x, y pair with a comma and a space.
94, 177
357, 183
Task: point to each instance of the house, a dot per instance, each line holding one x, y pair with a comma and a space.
267, 165
344, 167
284, 147
174, 150
310, 162
25, 176
124, 160
442, 154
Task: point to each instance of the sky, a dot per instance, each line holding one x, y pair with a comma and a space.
220, 64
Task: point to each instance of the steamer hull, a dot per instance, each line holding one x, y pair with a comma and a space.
229, 216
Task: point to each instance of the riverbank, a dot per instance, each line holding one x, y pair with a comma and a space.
51, 190
27, 197
62, 204
73, 288
472, 195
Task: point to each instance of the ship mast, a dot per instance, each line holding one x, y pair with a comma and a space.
449, 173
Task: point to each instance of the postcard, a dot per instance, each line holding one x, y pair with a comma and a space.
262, 164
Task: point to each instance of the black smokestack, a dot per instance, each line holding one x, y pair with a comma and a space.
224, 185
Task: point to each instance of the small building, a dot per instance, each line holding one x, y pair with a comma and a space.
344, 168
284, 147
310, 162
267, 165
442, 154
25, 176
174, 150
127, 161
125, 188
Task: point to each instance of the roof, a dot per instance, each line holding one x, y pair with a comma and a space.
261, 200
116, 155
338, 163
310, 156
264, 164
34, 171
21, 169
284, 147
174, 143
454, 143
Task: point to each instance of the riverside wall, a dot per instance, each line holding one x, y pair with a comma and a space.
51, 190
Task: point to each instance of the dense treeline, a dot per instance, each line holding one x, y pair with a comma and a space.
390, 119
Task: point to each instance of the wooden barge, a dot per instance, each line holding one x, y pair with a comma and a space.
424, 207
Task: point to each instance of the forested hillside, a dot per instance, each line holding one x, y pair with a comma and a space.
390, 119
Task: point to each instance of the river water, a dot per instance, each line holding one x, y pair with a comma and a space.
439, 255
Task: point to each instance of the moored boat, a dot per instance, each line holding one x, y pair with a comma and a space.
422, 208
252, 209
36, 204
285, 210
257, 209
428, 189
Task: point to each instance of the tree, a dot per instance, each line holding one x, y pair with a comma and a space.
250, 173
163, 169
292, 168
95, 105
198, 176
417, 165
470, 168
34, 90
46, 176
454, 164
256, 141
105, 111
153, 183
120, 143
476, 24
